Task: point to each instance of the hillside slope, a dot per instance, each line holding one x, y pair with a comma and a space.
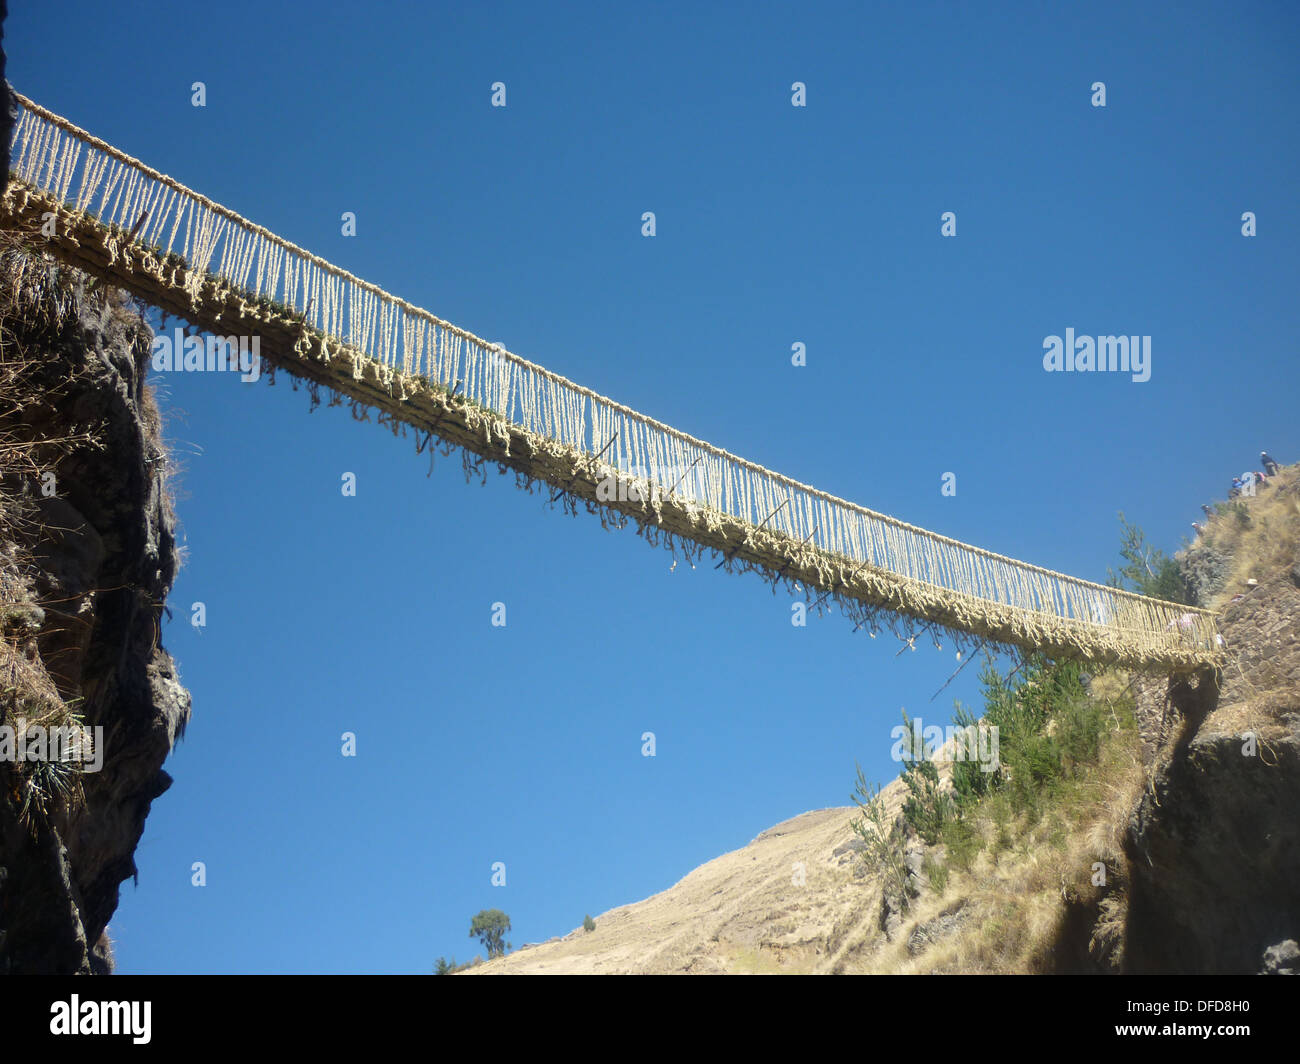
743, 911
1199, 841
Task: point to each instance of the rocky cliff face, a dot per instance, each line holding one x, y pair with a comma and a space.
1214, 844
87, 556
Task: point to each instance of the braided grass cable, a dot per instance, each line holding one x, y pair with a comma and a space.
349, 315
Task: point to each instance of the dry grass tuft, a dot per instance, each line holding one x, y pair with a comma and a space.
1262, 534
35, 298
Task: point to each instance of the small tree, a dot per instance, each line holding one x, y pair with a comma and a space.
1148, 571
444, 966
588, 924
883, 841
928, 805
971, 779
490, 927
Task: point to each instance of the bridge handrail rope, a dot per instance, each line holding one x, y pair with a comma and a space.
136, 203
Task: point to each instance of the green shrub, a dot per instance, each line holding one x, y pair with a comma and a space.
927, 807
1047, 727
1049, 733
882, 841
490, 927
937, 874
1078, 734
1147, 570
970, 781
450, 967
588, 924
962, 843
998, 810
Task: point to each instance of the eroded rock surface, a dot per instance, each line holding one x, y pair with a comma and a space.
86, 569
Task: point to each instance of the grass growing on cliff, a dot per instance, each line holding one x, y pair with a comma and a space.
1037, 854
37, 298
1260, 535
1015, 843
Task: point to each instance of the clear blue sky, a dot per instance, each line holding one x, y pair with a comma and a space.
776, 225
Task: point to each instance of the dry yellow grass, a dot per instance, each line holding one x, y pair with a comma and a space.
1262, 537
1027, 901
1268, 542
743, 912
747, 913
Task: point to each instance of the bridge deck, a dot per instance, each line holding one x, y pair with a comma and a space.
319, 323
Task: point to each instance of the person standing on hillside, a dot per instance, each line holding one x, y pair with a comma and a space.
1270, 466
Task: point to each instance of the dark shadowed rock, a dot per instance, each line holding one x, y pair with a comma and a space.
87, 574
1282, 959
1214, 844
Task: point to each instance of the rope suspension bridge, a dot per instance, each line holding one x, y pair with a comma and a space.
108, 214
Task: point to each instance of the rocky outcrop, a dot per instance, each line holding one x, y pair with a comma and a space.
88, 557
1215, 859
1214, 844
1205, 571
1282, 959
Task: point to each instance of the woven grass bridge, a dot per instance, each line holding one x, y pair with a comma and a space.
112, 216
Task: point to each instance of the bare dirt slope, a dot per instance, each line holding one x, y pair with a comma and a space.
800, 900
1189, 812
742, 912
